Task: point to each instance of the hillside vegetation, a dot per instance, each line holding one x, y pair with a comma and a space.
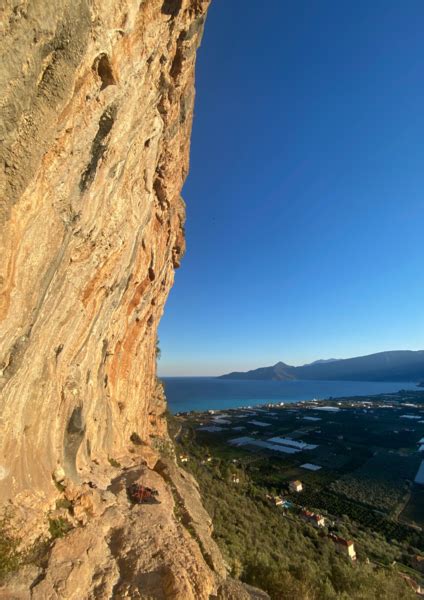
280, 554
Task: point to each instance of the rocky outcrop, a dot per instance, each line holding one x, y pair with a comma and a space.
122, 550
128, 551
95, 130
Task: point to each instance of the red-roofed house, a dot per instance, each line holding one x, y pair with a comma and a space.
343, 546
313, 518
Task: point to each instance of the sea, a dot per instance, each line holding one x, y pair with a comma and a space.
187, 394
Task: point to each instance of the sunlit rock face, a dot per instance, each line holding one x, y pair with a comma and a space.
96, 120
95, 129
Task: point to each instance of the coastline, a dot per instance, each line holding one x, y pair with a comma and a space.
200, 394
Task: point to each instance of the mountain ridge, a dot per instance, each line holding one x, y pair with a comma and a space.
393, 365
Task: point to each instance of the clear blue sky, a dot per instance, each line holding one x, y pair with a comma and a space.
305, 208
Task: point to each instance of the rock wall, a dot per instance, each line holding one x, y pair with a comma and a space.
95, 131
95, 128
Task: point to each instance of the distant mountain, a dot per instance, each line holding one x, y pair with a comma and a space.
397, 365
322, 361
278, 372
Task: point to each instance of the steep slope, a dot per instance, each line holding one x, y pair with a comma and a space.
398, 365
95, 127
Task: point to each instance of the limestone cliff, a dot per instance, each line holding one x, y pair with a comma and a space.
95, 128
96, 121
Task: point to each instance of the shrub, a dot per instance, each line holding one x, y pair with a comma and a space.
10, 557
59, 527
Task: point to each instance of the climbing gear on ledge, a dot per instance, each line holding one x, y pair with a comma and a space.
141, 494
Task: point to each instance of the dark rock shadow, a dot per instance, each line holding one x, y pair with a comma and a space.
171, 7
125, 479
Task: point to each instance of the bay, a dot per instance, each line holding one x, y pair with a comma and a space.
186, 394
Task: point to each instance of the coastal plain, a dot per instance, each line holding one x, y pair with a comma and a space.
360, 462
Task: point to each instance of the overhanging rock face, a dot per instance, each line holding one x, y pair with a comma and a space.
95, 133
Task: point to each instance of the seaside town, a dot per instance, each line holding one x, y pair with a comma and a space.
350, 468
